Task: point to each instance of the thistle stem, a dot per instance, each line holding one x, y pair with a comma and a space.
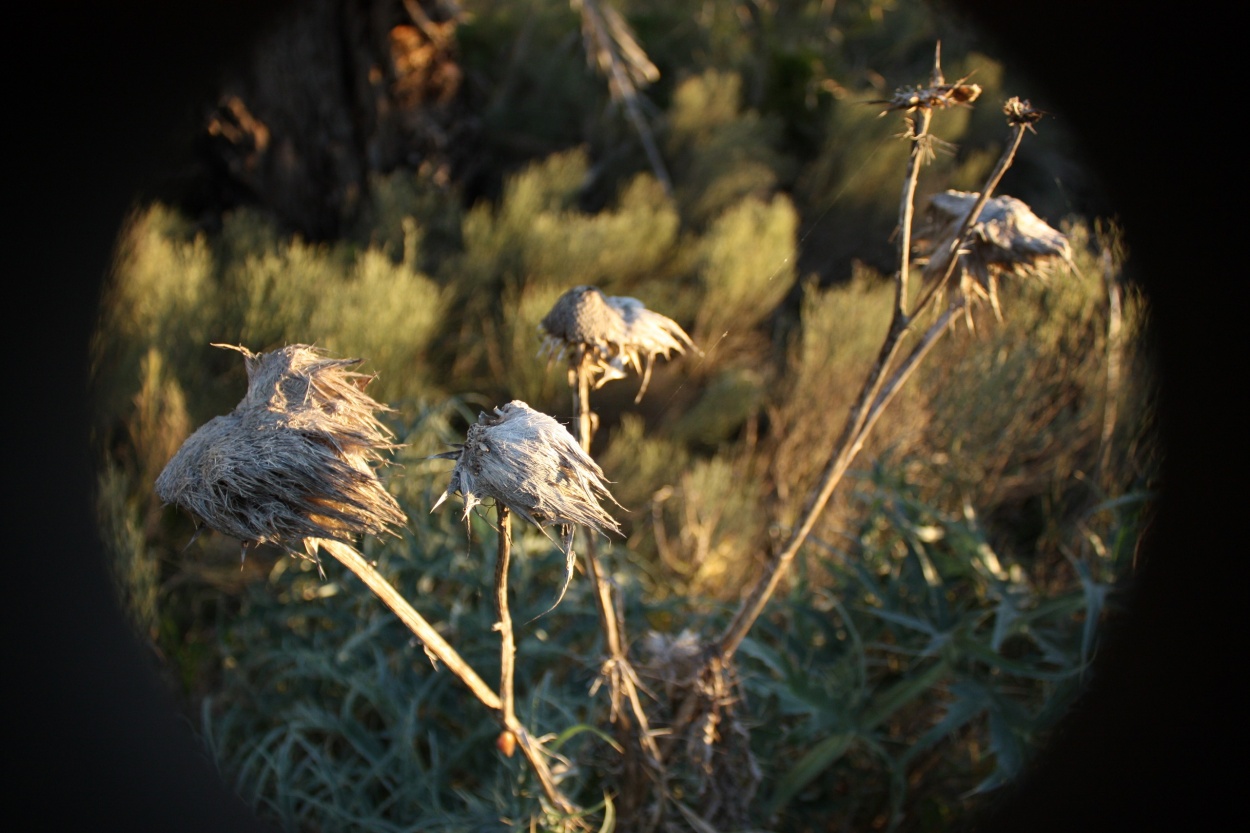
603, 588
531, 748
960, 237
907, 209
507, 646
876, 392
430, 638
617, 670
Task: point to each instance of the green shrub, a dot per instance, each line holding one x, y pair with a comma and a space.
746, 265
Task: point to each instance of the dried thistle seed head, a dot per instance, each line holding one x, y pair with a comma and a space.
1006, 239
673, 659
1021, 113
531, 464
617, 333
934, 97
294, 461
528, 462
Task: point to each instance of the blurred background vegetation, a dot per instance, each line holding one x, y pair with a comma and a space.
415, 184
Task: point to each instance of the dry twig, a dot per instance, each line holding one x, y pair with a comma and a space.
611, 47
604, 336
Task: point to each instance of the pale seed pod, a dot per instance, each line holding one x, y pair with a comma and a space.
293, 462
1007, 238
527, 461
618, 332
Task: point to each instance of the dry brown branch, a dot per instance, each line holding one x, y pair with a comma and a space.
435, 645
700, 679
1020, 117
883, 381
633, 728
701, 696
604, 336
514, 732
611, 47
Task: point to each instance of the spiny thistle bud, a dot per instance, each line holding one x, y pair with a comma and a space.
1021, 113
618, 332
1006, 239
293, 462
528, 462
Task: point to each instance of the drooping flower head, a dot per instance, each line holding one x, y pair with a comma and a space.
293, 462
618, 333
527, 461
1007, 238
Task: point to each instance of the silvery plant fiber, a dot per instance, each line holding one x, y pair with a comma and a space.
293, 462
527, 461
620, 333
1006, 239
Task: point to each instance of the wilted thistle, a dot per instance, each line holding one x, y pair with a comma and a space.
523, 459
293, 463
614, 333
1007, 238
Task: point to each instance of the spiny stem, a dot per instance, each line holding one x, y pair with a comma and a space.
873, 397
957, 242
603, 588
906, 209
617, 670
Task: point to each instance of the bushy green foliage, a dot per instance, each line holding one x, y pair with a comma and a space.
724, 153
930, 668
746, 263
835, 344
330, 717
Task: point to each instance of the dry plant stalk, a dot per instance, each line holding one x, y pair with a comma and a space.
611, 47
885, 378
702, 695
604, 336
526, 463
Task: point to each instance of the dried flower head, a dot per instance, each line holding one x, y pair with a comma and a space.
293, 462
618, 333
715, 740
528, 462
1021, 113
935, 97
1006, 239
